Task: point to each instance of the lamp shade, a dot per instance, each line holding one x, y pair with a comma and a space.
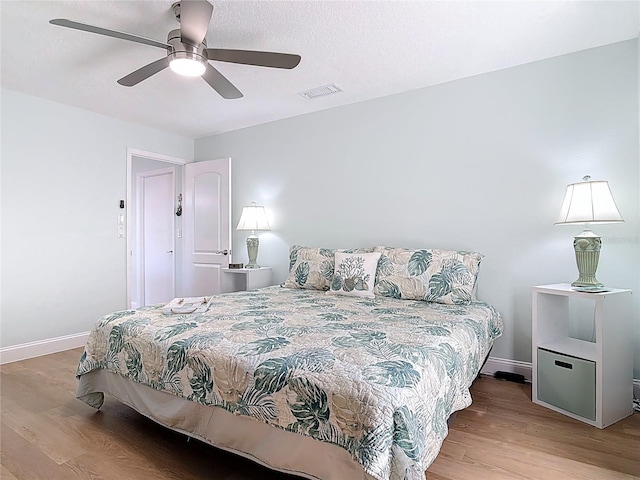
589, 202
253, 218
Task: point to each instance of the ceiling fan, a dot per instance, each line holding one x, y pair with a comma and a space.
187, 52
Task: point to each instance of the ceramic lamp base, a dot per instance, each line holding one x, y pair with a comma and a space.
587, 246
252, 250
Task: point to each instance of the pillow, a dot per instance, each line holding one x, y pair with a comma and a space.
310, 268
440, 276
354, 274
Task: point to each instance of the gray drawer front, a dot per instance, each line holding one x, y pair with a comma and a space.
567, 382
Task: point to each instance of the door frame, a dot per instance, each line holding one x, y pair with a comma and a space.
131, 205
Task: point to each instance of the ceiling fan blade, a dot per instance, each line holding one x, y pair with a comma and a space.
195, 16
220, 84
143, 73
63, 22
253, 57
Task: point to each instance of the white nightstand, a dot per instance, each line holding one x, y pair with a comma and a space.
591, 381
240, 279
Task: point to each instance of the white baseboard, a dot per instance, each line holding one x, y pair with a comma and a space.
24, 351
494, 365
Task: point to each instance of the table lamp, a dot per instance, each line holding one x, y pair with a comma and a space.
253, 218
588, 202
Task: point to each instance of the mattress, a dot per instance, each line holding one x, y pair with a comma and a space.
291, 378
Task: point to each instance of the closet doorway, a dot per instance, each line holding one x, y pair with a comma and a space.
178, 227
154, 249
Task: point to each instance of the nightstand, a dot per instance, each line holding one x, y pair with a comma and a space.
241, 279
591, 381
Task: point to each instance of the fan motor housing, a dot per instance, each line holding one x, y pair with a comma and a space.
179, 49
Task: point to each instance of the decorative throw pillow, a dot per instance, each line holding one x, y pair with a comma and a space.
432, 275
310, 268
355, 274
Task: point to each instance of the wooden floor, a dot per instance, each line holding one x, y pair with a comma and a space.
48, 434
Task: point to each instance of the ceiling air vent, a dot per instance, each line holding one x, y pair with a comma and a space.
321, 91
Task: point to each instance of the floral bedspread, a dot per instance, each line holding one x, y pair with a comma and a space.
376, 376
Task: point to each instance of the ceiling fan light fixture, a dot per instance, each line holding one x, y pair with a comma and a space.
187, 64
187, 67
186, 59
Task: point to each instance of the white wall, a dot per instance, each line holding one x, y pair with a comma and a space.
63, 175
477, 164
480, 163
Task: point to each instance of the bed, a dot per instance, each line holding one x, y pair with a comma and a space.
305, 381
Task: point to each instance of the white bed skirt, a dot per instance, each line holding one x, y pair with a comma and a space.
269, 446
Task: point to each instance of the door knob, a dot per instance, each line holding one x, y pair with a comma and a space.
221, 252
169, 251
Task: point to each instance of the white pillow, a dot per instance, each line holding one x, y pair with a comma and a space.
354, 274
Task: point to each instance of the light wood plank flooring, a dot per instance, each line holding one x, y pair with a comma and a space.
48, 434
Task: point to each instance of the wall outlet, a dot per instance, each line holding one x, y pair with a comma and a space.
120, 231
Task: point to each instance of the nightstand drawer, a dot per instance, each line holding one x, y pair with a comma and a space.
567, 382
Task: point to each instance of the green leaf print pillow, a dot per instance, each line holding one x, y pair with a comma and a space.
310, 268
433, 275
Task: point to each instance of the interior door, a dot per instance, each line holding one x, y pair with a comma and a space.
157, 272
206, 226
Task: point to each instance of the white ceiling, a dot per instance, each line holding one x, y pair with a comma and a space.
368, 48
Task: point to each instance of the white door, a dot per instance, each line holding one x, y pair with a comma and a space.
206, 226
157, 266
